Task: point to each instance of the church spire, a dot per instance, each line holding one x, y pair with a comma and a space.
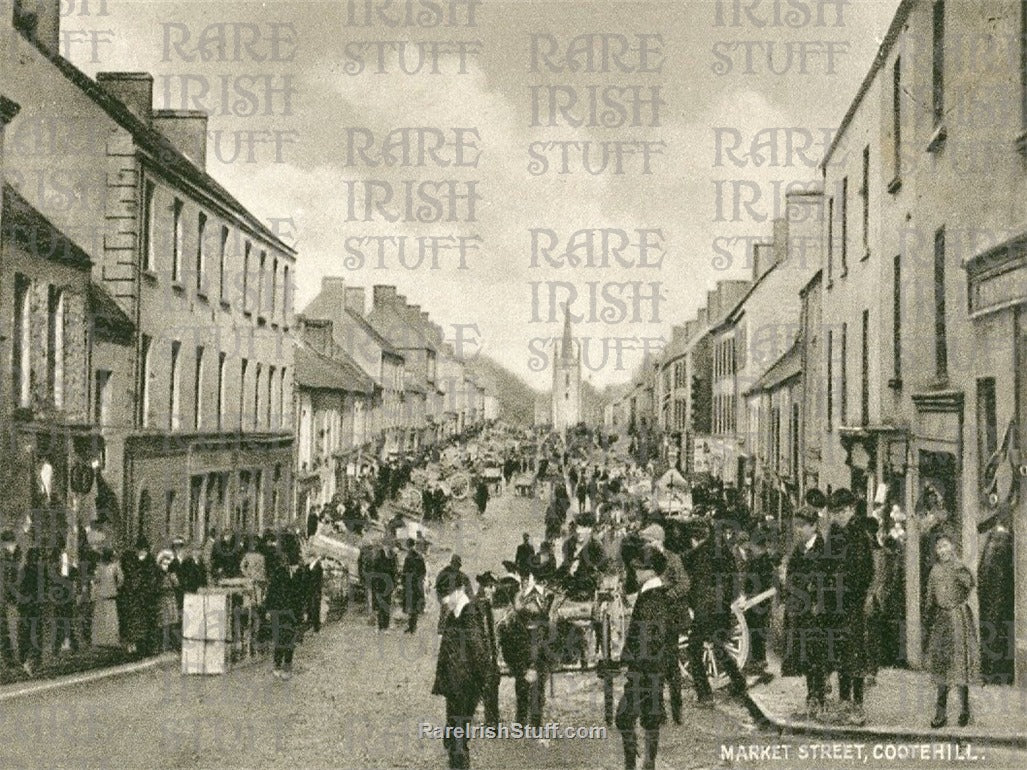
567, 346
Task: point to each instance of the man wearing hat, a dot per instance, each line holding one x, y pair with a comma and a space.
849, 572
677, 583
650, 648
804, 632
714, 587
462, 669
486, 589
414, 572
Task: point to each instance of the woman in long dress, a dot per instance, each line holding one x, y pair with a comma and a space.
953, 649
107, 583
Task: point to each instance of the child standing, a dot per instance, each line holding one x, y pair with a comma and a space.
953, 650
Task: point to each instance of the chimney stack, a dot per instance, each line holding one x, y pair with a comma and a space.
133, 89
383, 296
763, 258
355, 301
41, 21
187, 132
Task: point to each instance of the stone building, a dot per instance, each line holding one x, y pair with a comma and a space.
207, 439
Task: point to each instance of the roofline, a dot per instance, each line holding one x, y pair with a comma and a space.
137, 128
899, 20
817, 278
729, 319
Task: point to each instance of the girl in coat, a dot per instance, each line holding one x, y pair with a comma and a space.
107, 583
952, 646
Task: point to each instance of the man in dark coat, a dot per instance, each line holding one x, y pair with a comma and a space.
141, 593
714, 587
382, 576
462, 670
849, 572
650, 646
481, 496
525, 553
995, 592
805, 650
414, 572
483, 599
284, 605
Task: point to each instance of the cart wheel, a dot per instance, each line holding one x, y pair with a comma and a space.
737, 648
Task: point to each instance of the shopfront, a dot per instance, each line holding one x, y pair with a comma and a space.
998, 312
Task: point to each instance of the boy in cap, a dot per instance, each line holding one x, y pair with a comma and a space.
677, 582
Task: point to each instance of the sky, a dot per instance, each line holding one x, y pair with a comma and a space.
303, 96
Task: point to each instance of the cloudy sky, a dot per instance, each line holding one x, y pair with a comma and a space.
331, 73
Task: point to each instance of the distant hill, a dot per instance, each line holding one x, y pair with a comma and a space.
516, 397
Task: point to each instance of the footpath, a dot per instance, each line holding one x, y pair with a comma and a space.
899, 706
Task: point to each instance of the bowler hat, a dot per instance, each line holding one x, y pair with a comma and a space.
486, 579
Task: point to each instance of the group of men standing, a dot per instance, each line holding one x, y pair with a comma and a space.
827, 604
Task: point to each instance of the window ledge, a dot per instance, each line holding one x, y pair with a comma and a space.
1021, 143
225, 305
938, 139
247, 313
895, 383
178, 287
202, 295
895, 185
150, 276
261, 321
866, 256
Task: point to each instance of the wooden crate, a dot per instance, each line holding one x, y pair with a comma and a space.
206, 616
201, 656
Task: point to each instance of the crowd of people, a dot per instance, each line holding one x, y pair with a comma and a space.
133, 600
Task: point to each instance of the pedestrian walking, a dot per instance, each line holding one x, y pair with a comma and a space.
953, 649
284, 605
650, 646
414, 572
481, 495
382, 577
525, 640
108, 581
523, 556
804, 631
484, 599
677, 584
850, 571
714, 587
461, 671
